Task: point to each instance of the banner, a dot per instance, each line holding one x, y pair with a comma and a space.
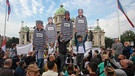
24, 49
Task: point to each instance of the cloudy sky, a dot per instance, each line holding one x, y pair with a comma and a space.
31, 10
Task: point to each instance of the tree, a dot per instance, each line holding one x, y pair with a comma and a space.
108, 42
128, 36
10, 41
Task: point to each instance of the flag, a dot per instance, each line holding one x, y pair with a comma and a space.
9, 8
122, 10
4, 45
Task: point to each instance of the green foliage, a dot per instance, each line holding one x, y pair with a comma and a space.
10, 41
128, 36
108, 42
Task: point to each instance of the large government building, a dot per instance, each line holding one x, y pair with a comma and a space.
98, 34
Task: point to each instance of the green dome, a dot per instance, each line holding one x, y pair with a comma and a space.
97, 28
60, 11
26, 28
72, 18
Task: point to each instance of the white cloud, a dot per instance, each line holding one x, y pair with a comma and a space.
110, 24
26, 8
37, 6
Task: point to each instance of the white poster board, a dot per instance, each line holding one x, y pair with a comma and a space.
24, 49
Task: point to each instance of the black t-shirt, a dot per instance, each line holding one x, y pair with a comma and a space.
29, 59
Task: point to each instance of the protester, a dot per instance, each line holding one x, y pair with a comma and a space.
118, 47
2, 59
126, 50
5, 70
127, 66
102, 65
80, 45
133, 57
51, 58
92, 68
20, 70
121, 57
76, 71
39, 42
50, 72
30, 58
33, 70
13, 51
62, 51
109, 71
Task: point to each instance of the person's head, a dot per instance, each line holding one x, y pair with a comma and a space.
126, 43
126, 64
73, 75
109, 71
67, 14
92, 67
22, 63
80, 38
50, 19
51, 44
8, 63
33, 70
117, 40
104, 57
52, 58
121, 57
95, 53
39, 24
50, 65
133, 54
102, 49
80, 12
13, 45
6, 55
29, 53
76, 68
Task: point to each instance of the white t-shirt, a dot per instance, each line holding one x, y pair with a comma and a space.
80, 49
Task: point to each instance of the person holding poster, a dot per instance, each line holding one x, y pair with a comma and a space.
81, 23
80, 48
39, 42
66, 27
51, 33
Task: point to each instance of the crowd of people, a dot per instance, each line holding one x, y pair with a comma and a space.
100, 63
50, 56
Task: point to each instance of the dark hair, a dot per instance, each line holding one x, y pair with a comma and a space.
13, 45
110, 70
79, 36
130, 65
50, 65
76, 67
96, 51
93, 66
21, 62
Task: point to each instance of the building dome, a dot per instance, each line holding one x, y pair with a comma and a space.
26, 28
60, 11
97, 28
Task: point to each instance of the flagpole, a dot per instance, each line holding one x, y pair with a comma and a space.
118, 19
5, 21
